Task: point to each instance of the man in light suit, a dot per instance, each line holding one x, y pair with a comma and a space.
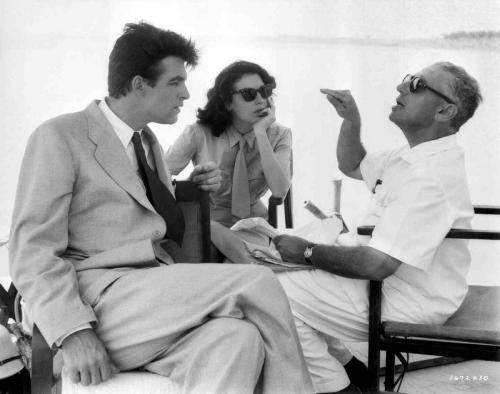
85, 246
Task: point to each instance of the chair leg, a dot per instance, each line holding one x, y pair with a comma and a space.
389, 371
41, 375
374, 336
272, 215
373, 366
288, 210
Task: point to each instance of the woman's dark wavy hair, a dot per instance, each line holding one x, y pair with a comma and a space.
215, 114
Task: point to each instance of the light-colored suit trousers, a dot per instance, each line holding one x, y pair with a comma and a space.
211, 327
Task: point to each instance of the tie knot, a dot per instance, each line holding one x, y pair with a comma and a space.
136, 137
242, 142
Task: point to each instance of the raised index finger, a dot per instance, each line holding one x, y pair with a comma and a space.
338, 94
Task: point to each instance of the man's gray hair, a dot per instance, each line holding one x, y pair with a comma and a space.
466, 90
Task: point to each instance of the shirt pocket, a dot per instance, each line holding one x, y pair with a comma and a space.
381, 196
376, 206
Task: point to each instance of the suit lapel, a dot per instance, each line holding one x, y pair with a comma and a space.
112, 157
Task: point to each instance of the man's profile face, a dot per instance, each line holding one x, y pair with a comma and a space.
163, 102
417, 110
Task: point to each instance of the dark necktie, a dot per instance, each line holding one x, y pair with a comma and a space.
158, 194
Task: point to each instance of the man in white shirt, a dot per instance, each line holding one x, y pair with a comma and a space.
95, 201
420, 192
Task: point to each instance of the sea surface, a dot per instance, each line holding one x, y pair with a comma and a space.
57, 80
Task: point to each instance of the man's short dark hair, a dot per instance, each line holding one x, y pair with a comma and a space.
139, 51
466, 90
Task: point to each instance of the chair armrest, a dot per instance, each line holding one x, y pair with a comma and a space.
274, 202
487, 209
365, 230
272, 216
473, 234
458, 232
453, 233
188, 192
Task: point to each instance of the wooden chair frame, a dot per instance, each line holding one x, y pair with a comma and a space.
394, 337
274, 202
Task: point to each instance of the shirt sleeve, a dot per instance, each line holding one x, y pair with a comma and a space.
184, 149
283, 149
60, 340
414, 222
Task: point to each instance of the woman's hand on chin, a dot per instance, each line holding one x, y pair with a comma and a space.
267, 119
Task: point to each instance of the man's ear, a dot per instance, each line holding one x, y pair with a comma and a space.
138, 85
446, 112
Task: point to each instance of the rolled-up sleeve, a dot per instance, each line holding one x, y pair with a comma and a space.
283, 149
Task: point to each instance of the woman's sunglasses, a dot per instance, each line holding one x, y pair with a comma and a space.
249, 94
417, 83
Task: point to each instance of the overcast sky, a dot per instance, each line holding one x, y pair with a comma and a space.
226, 18
331, 18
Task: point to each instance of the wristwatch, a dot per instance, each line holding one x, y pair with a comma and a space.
308, 253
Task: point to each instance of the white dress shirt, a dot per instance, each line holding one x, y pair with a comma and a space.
124, 133
422, 192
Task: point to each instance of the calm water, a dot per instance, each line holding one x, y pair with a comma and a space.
371, 72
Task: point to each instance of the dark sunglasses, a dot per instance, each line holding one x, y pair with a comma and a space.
417, 83
249, 94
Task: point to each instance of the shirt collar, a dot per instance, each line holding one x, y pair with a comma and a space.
429, 148
123, 130
234, 137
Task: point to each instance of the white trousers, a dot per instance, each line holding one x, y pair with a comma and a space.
329, 311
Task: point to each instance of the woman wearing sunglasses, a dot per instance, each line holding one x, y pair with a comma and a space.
237, 130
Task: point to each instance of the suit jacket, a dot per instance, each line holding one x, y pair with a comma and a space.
81, 219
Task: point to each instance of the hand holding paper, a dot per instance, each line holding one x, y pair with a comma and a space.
291, 248
289, 251
259, 225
